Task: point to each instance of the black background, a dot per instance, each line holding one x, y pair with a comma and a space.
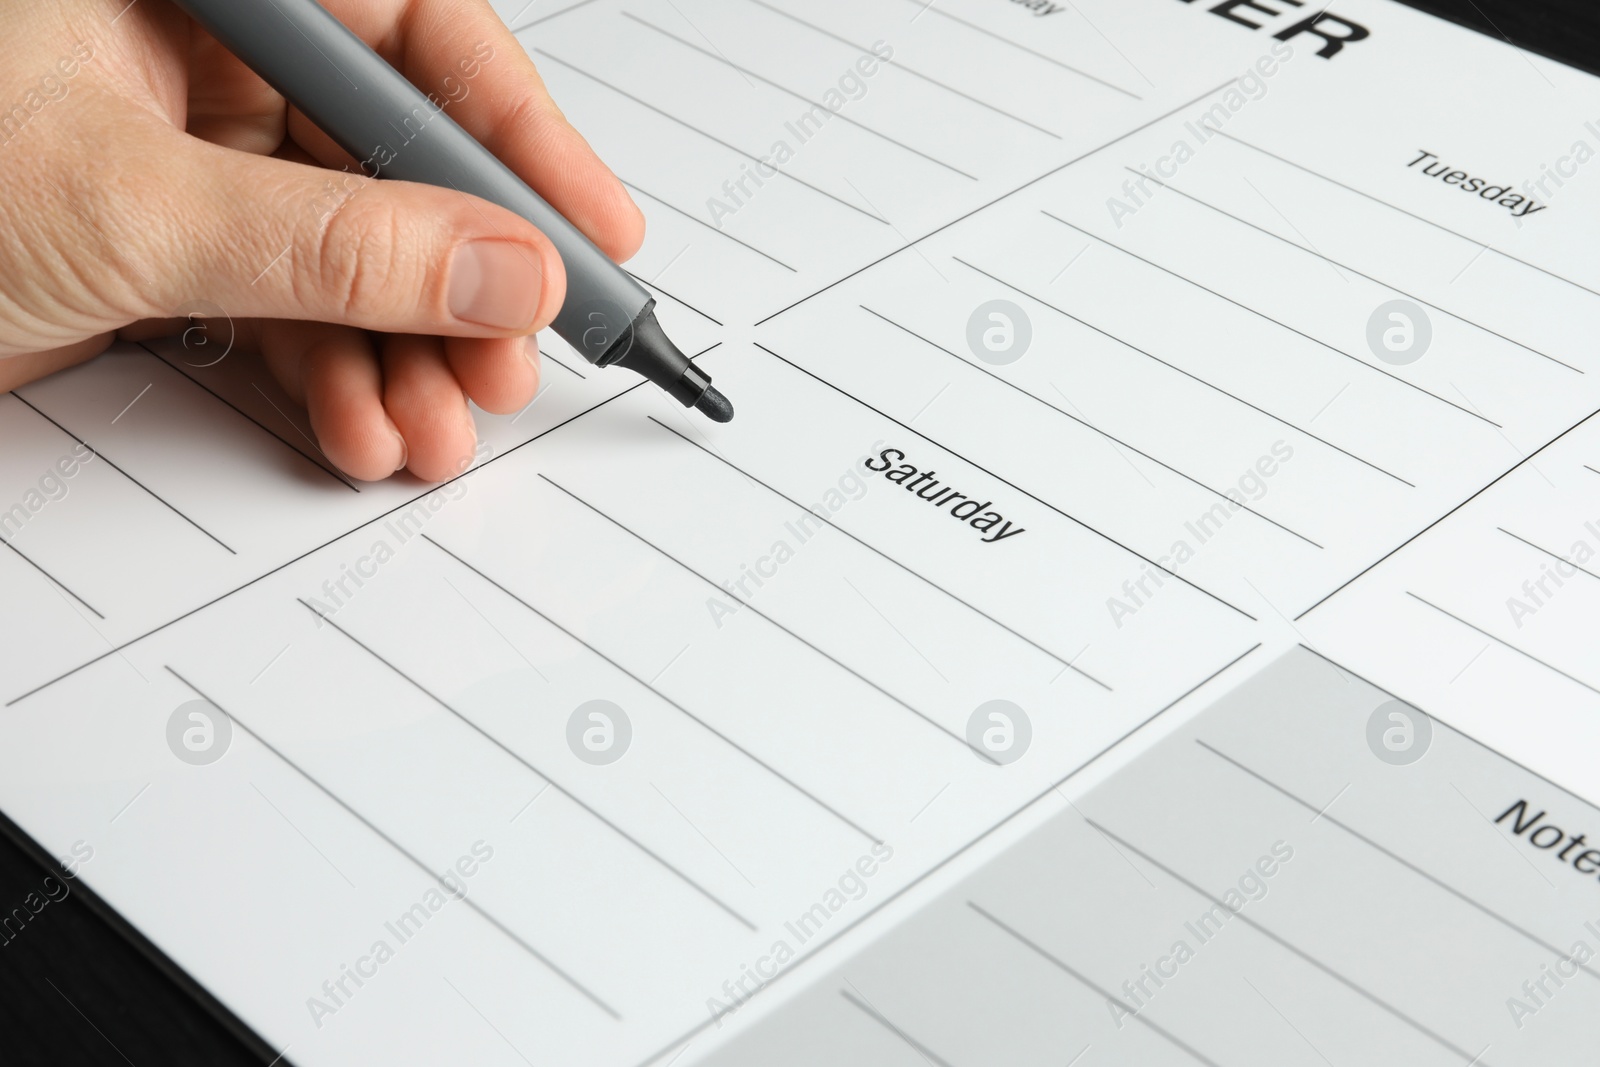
73, 990
1569, 30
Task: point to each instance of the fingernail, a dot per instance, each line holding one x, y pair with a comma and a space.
531, 351
496, 284
405, 453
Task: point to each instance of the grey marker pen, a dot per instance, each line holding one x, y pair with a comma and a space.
376, 115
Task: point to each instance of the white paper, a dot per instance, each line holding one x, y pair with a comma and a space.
1256, 889
1209, 339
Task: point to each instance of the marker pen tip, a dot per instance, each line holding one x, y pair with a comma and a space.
714, 406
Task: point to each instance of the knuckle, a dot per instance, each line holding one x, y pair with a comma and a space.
356, 262
535, 120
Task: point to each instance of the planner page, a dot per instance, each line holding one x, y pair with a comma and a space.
1312, 871
1087, 355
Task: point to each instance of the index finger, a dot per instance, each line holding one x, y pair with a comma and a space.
462, 53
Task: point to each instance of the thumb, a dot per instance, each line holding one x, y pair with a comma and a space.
267, 238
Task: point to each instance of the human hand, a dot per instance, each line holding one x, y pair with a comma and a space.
144, 168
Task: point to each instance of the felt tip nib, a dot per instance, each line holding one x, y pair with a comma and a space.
714, 406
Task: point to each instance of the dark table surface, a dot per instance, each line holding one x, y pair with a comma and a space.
74, 989
1568, 30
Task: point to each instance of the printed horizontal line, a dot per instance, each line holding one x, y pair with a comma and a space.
52, 579
1360, 274
1393, 207
707, 135
840, 115
1101, 992
1546, 551
685, 712
773, 622
1502, 641
372, 827
902, 68
1266, 318
1085, 423
403, 505
933, 1058
1031, 182
884, 555
1031, 496
928, 7
326, 617
563, 366
678, 1043
714, 229
553, 15
329, 471
1324, 816
1284, 943
101, 456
